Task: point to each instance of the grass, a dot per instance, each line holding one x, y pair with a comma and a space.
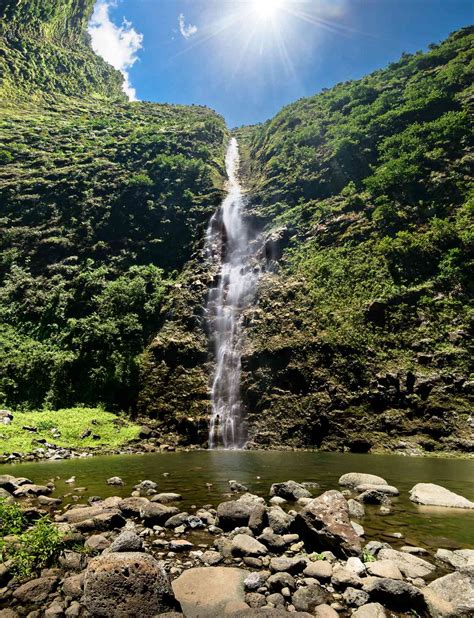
72, 423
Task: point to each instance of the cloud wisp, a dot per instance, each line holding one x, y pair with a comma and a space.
118, 45
187, 30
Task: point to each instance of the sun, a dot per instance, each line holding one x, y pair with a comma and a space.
267, 9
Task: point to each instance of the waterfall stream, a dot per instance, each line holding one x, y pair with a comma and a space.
229, 244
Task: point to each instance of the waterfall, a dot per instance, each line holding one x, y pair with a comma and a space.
229, 245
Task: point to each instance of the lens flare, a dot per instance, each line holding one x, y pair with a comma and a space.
267, 9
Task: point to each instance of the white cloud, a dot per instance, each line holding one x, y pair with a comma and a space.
118, 45
187, 30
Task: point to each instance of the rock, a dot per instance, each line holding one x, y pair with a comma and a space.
434, 495
354, 479
279, 521
74, 610
325, 611
175, 521
256, 580
289, 490
288, 565
233, 514
458, 559
108, 520
72, 560
394, 594
127, 541
131, 507
97, 542
211, 558
409, 565
371, 610
146, 485
451, 596
9, 613
36, 591
154, 513
409, 549
255, 600
6, 496
145, 433
373, 496
72, 586
356, 509
354, 597
237, 487
166, 498
180, 545
389, 490
258, 518
358, 529
355, 565
246, 545
276, 599
8, 482
127, 584
342, 578
306, 599
325, 524
278, 581
115, 480
48, 501
209, 591
384, 568
276, 500
274, 541
31, 490
319, 569
79, 514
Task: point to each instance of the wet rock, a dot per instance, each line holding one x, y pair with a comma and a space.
306, 599
354, 597
131, 507
166, 498
451, 596
373, 496
389, 490
233, 514
127, 584
325, 524
409, 565
32, 490
245, 545
371, 610
354, 479
434, 495
156, 514
210, 591
36, 591
237, 487
146, 485
115, 480
394, 594
127, 541
319, 569
288, 565
48, 501
289, 490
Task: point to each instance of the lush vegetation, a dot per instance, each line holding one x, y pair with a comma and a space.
27, 548
72, 428
368, 188
102, 204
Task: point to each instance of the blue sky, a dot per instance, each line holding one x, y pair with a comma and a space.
248, 58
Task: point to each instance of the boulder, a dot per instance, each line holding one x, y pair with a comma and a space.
127, 584
371, 610
354, 597
48, 501
354, 479
166, 498
154, 513
356, 509
131, 507
108, 520
325, 524
384, 568
8, 482
237, 487
233, 514
374, 496
31, 490
307, 598
256, 580
36, 591
395, 594
434, 495
73, 586
279, 521
451, 596
458, 558
127, 541
289, 490
409, 565
210, 591
319, 569
288, 565
389, 490
246, 545
115, 480
325, 611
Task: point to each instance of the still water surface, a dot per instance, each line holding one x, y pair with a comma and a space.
189, 474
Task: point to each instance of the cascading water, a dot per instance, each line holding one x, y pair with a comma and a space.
229, 245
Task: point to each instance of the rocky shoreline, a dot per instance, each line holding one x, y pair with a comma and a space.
293, 553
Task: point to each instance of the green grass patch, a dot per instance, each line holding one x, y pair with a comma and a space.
71, 423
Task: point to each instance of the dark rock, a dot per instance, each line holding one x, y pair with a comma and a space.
145, 433
127, 541
258, 518
233, 514
289, 490
354, 597
237, 487
395, 594
278, 581
127, 584
73, 586
25, 491
36, 591
288, 565
373, 496
308, 598
325, 524
279, 521
8, 482
131, 507
154, 513
245, 545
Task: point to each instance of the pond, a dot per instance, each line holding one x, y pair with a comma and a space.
202, 478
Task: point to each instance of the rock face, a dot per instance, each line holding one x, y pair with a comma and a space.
325, 524
289, 490
127, 584
430, 494
451, 596
354, 479
210, 591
